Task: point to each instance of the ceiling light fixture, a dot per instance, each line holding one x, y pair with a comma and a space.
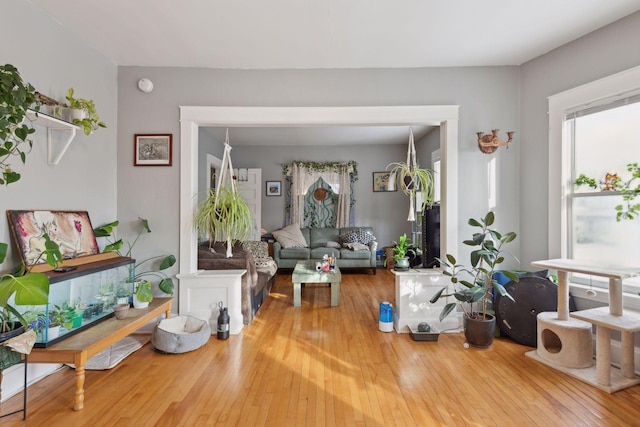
489, 143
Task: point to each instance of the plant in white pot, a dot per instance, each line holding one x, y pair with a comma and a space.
401, 250
83, 113
224, 214
160, 262
474, 294
142, 295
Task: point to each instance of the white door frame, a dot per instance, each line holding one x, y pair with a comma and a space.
191, 118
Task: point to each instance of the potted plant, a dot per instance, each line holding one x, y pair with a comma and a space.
475, 293
629, 189
26, 288
224, 215
143, 294
57, 318
165, 283
123, 292
16, 97
411, 180
401, 250
83, 113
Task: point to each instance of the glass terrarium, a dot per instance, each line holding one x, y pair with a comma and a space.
80, 298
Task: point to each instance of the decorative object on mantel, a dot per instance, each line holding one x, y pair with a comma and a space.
412, 179
489, 143
16, 97
224, 214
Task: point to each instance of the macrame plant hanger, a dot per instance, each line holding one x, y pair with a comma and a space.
226, 174
413, 165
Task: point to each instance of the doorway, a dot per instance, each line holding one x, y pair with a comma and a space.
191, 118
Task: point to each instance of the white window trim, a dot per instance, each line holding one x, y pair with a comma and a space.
559, 156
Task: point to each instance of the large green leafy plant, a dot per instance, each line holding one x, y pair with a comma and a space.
16, 97
29, 288
473, 286
125, 248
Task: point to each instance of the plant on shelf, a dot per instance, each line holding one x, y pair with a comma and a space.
142, 295
16, 97
475, 292
29, 288
401, 250
629, 189
165, 283
88, 118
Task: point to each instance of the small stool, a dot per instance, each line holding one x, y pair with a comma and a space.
567, 343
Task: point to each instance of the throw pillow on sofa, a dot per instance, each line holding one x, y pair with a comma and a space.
357, 236
334, 245
290, 237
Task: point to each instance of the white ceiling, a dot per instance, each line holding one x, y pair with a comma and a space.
308, 34
275, 34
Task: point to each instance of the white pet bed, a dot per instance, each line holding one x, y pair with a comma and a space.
180, 334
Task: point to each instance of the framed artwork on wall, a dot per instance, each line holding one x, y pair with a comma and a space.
274, 188
71, 230
381, 182
153, 150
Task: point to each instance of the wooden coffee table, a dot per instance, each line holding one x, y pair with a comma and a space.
305, 272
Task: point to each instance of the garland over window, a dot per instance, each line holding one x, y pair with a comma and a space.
339, 177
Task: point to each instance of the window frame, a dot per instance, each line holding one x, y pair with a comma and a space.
599, 92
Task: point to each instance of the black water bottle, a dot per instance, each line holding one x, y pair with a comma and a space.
223, 323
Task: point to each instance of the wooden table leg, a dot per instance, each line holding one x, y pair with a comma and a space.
335, 294
80, 362
297, 300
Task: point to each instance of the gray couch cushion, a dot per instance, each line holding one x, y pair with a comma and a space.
295, 253
318, 253
320, 236
349, 254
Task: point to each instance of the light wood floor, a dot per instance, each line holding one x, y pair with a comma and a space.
315, 365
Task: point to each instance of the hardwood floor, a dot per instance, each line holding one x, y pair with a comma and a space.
315, 365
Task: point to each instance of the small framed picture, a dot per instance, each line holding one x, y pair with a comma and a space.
274, 188
153, 150
382, 182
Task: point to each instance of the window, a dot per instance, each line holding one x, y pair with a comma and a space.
601, 140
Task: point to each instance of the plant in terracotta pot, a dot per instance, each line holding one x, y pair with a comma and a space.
473, 287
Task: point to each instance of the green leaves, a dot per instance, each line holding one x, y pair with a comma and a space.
16, 97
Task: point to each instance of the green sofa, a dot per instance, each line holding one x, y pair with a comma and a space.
317, 239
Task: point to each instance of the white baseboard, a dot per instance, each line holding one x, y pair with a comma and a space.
13, 377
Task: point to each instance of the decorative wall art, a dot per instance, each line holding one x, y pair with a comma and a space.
381, 182
71, 230
153, 150
274, 188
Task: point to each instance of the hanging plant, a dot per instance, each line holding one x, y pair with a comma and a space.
224, 214
413, 179
16, 97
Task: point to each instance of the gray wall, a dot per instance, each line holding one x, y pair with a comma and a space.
53, 61
488, 97
612, 49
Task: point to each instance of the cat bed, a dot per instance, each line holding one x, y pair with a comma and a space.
180, 334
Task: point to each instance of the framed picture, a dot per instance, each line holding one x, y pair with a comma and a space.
274, 188
152, 150
71, 230
381, 182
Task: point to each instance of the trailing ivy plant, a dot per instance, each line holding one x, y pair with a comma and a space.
91, 120
16, 97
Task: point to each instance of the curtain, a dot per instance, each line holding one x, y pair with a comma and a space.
303, 177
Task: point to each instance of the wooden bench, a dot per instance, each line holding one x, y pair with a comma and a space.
79, 348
